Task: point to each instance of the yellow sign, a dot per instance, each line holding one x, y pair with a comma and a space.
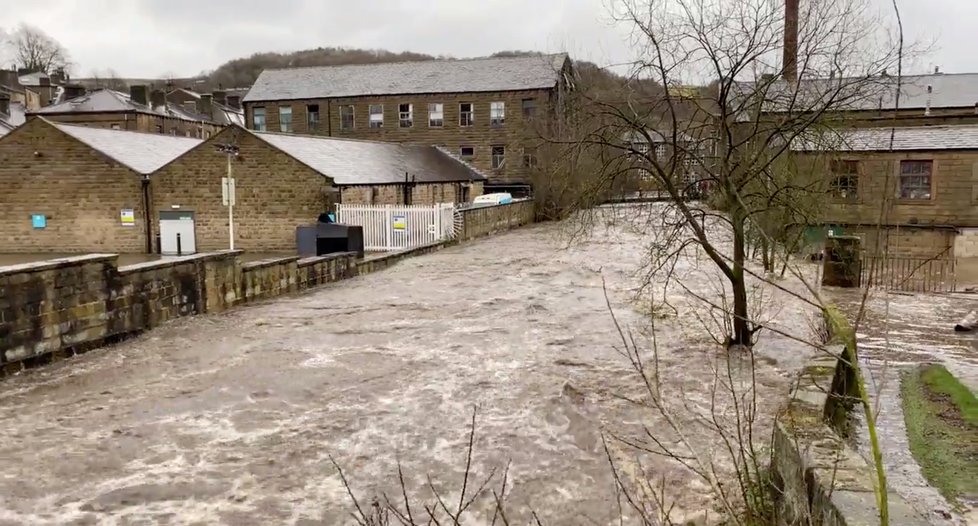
127, 216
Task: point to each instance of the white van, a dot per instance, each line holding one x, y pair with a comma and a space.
501, 198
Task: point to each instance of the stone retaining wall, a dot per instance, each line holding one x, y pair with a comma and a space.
818, 478
486, 220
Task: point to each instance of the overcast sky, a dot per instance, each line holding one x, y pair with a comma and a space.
150, 38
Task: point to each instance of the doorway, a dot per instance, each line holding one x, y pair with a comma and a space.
177, 236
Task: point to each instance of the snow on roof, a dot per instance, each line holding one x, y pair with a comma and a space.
142, 152
396, 78
353, 162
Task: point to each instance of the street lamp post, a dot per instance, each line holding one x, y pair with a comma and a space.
228, 190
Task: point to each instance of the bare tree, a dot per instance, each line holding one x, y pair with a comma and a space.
35, 50
722, 141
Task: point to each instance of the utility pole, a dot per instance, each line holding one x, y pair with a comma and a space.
228, 189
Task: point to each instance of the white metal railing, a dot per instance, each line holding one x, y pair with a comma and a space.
399, 227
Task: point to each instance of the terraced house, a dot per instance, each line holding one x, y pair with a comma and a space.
489, 111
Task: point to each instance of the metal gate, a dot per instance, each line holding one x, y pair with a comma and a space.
399, 227
908, 274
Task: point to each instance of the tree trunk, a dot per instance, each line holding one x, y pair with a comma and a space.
742, 334
766, 254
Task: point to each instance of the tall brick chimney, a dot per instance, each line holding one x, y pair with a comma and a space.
790, 61
205, 106
220, 97
234, 101
157, 98
139, 94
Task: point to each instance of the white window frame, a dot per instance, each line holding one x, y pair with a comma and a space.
409, 119
501, 164
436, 115
259, 124
463, 156
497, 114
376, 117
470, 113
285, 126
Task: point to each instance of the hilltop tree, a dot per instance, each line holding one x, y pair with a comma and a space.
35, 50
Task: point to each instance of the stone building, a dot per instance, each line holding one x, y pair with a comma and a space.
222, 107
922, 197
488, 111
79, 189
283, 181
139, 110
70, 188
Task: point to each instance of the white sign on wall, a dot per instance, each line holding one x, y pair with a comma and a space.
227, 191
127, 216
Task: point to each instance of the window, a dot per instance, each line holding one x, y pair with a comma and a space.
529, 157
258, 119
529, 107
845, 179
116, 127
285, 119
465, 114
405, 115
915, 179
159, 128
497, 113
466, 152
173, 132
346, 117
642, 148
376, 116
312, 116
436, 115
498, 157
207, 135
187, 133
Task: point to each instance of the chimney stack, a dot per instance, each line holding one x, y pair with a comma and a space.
790, 61
158, 98
204, 106
73, 91
234, 101
219, 97
139, 94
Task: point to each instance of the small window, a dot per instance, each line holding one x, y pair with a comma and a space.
285, 119
529, 107
376, 116
346, 117
845, 180
405, 115
529, 157
465, 114
312, 116
173, 132
497, 113
498, 157
258, 119
659, 151
436, 115
466, 152
116, 127
915, 179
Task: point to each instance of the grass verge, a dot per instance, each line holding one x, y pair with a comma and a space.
942, 425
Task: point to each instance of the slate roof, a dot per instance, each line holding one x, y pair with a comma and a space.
106, 100
16, 117
948, 90
397, 78
353, 162
916, 138
142, 152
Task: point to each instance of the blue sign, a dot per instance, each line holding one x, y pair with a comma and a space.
39, 220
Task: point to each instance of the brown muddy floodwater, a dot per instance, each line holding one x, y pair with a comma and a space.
231, 418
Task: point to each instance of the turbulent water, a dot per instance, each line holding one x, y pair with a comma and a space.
233, 418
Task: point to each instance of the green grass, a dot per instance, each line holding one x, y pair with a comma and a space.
942, 425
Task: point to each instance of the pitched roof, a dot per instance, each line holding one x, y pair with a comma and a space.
142, 152
353, 162
106, 100
911, 138
432, 76
947, 90
16, 117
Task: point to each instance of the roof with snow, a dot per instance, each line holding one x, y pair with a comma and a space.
106, 100
142, 152
915, 138
398, 78
355, 162
14, 118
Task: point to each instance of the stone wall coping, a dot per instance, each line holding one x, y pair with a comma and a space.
262, 263
48, 264
312, 260
171, 261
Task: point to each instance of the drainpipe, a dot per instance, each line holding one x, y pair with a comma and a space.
146, 211
329, 119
